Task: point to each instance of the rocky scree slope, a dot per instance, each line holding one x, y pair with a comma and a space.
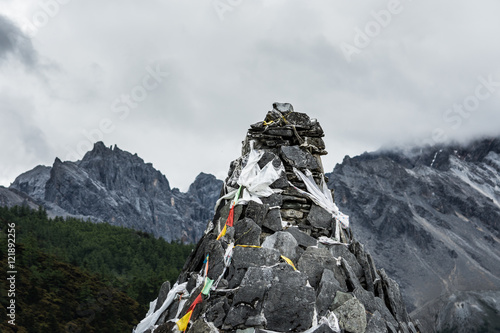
278, 255
113, 185
431, 216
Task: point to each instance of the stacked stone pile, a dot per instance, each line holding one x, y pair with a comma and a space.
278, 255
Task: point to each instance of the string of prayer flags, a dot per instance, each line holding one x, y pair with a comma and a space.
230, 217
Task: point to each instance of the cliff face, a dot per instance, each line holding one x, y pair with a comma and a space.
431, 217
112, 185
205, 190
279, 255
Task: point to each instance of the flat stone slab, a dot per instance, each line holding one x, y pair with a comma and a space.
284, 242
319, 218
302, 238
299, 158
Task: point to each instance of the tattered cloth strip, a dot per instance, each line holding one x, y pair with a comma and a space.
257, 181
205, 264
329, 241
289, 262
184, 321
330, 320
230, 217
208, 285
223, 232
254, 246
321, 196
254, 181
227, 260
152, 317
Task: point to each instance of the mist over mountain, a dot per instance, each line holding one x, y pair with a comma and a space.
431, 216
115, 186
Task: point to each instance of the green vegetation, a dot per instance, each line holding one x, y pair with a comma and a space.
95, 277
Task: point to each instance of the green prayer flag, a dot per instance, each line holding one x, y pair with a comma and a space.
208, 285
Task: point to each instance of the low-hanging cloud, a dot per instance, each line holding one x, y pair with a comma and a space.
13, 42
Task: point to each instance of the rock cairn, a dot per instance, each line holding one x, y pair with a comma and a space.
278, 255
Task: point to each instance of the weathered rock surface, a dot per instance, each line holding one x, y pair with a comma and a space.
274, 261
430, 217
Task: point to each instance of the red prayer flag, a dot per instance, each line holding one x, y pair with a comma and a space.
230, 218
198, 300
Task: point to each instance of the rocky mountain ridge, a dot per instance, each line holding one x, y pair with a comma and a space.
113, 185
432, 218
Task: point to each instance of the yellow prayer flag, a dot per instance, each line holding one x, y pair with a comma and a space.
289, 262
182, 323
222, 233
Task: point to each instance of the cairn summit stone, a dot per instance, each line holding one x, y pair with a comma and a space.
283, 107
276, 257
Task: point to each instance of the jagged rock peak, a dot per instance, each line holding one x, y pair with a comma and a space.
33, 182
206, 189
100, 150
113, 185
278, 255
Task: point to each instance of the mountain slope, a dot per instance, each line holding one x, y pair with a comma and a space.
113, 185
132, 261
432, 218
54, 296
12, 197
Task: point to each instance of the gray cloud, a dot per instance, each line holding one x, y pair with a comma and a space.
13, 42
225, 74
24, 143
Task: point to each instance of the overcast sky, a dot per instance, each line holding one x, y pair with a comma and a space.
179, 82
